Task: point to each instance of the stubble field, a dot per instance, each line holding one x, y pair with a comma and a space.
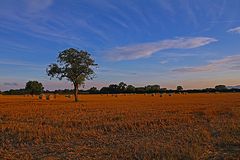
192, 126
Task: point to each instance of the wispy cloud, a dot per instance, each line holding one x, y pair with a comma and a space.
234, 30
36, 19
38, 5
237, 67
20, 63
163, 62
167, 6
10, 84
147, 49
116, 72
227, 63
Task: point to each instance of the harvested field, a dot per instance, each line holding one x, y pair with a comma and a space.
192, 126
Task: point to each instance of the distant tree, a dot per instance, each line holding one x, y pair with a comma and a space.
155, 88
15, 92
34, 87
162, 90
179, 88
113, 88
75, 66
104, 90
221, 87
140, 90
93, 90
208, 90
130, 89
152, 88
147, 88
122, 86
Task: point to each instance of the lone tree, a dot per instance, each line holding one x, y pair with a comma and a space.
34, 87
75, 66
221, 88
179, 88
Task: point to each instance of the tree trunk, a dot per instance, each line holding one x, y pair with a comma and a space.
76, 92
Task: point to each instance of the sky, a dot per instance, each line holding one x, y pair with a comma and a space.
193, 43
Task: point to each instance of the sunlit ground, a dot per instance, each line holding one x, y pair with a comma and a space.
191, 126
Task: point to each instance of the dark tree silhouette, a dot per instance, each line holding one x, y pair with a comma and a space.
122, 86
113, 88
75, 66
220, 87
179, 88
130, 89
152, 88
34, 87
93, 90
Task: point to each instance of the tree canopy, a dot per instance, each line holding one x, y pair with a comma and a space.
74, 65
179, 88
220, 87
34, 87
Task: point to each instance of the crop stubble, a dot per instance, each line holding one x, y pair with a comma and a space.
192, 126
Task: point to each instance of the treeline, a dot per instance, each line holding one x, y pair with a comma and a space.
124, 88
14, 92
33, 87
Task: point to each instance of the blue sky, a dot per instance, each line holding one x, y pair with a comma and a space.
194, 43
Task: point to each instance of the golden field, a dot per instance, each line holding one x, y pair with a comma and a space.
191, 126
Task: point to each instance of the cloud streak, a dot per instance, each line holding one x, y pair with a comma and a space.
10, 84
36, 19
147, 49
234, 30
20, 63
227, 63
38, 5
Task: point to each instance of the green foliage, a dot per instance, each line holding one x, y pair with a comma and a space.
74, 65
34, 87
124, 88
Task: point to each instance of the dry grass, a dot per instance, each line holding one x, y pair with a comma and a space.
192, 126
